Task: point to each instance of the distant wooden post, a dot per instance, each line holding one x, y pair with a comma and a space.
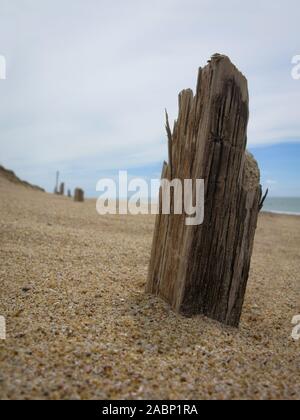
79, 195
62, 188
69, 193
204, 269
56, 184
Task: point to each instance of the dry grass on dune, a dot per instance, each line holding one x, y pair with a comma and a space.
80, 325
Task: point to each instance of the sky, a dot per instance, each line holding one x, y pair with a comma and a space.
87, 82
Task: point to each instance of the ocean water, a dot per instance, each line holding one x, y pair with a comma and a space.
289, 205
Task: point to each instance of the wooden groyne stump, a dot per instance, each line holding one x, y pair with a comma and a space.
204, 269
62, 188
56, 191
79, 195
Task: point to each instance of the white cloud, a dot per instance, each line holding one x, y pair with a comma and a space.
91, 79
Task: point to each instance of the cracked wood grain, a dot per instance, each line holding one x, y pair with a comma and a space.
204, 269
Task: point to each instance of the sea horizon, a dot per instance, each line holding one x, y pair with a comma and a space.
282, 205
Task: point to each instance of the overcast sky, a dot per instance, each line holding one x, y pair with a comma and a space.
88, 80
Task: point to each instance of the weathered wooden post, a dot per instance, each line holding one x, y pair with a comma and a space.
69, 193
62, 188
204, 269
79, 195
56, 183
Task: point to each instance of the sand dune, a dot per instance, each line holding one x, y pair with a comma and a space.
8, 175
79, 324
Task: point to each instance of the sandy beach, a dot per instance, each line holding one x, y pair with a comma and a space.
79, 325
